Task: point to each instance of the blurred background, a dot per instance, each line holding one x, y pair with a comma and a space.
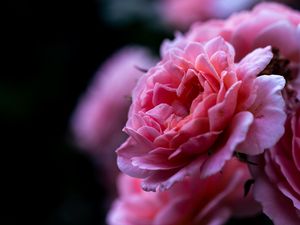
51, 50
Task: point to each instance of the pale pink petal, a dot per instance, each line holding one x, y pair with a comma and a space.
172, 213
157, 160
269, 117
128, 185
218, 44
162, 180
209, 201
277, 35
193, 50
246, 31
255, 62
124, 160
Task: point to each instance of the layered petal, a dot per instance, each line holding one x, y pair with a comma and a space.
195, 108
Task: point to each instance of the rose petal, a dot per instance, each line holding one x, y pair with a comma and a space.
236, 134
277, 207
269, 116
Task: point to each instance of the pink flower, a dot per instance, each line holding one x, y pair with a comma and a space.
194, 201
102, 110
267, 24
277, 184
182, 14
195, 108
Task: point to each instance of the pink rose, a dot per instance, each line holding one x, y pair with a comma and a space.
277, 185
182, 14
102, 110
194, 201
195, 108
267, 24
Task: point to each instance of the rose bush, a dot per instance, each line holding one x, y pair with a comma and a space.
195, 108
210, 201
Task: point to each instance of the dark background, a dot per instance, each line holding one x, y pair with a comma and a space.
50, 50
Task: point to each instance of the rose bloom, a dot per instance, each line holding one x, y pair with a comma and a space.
100, 114
194, 201
182, 14
267, 24
277, 184
195, 108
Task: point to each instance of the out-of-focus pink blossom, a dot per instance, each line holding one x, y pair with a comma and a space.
194, 201
277, 184
182, 13
102, 110
267, 24
195, 108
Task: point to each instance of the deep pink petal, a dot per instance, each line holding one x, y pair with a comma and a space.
196, 145
236, 134
220, 114
219, 216
280, 209
163, 94
160, 112
289, 171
